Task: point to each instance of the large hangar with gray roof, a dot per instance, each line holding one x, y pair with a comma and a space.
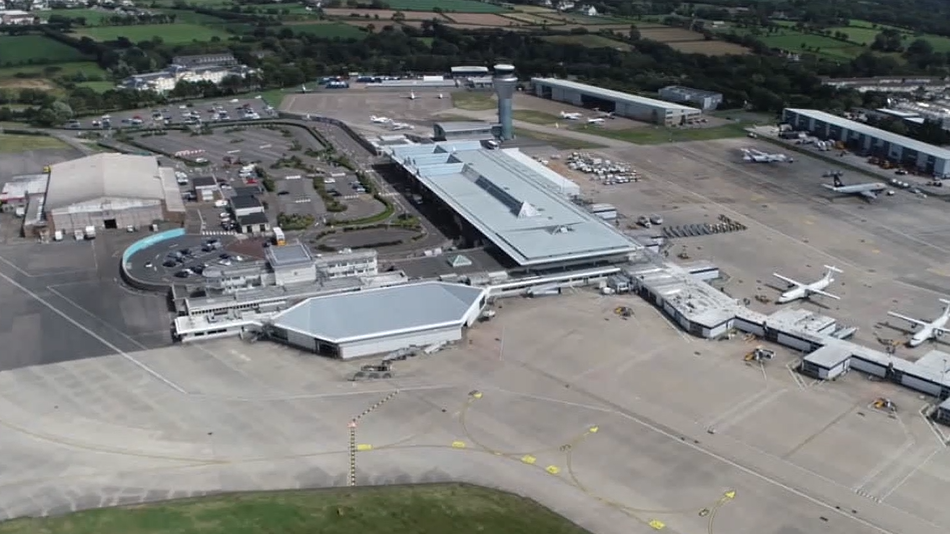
110, 191
621, 104
375, 321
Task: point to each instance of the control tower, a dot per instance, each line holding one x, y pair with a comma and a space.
505, 82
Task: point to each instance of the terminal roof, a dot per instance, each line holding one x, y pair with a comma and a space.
383, 312
510, 203
287, 255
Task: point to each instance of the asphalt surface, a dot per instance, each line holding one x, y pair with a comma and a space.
63, 301
148, 265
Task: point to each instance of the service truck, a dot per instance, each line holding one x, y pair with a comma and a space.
90, 232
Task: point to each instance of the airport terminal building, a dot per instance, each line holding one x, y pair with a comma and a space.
871, 141
621, 104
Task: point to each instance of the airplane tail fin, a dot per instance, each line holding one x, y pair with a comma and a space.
832, 268
838, 182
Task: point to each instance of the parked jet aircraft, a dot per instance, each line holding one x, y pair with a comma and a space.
932, 330
303, 89
380, 120
606, 114
412, 95
441, 96
401, 126
570, 116
595, 121
869, 191
803, 291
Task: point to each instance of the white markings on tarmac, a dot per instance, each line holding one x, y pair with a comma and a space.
92, 334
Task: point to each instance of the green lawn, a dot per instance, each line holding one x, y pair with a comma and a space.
430, 509
99, 87
93, 16
590, 40
191, 17
52, 70
16, 50
557, 141
170, 33
791, 40
458, 6
536, 117
655, 135
10, 144
474, 100
864, 32
329, 31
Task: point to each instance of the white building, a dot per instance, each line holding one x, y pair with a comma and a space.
377, 321
621, 104
166, 80
347, 263
16, 17
705, 100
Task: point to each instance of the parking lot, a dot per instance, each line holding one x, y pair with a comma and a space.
158, 117
166, 261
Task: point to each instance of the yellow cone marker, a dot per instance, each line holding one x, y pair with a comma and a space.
553, 469
730, 494
656, 524
458, 444
593, 429
528, 459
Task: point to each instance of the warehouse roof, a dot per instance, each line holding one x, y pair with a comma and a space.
871, 131
239, 202
376, 313
104, 176
463, 126
610, 94
204, 181
469, 68
510, 203
258, 217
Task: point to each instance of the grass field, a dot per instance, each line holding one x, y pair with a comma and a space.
458, 6
474, 101
864, 32
54, 69
331, 31
557, 141
589, 40
793, 41
170, 33
99, 87
191, 17
93, 16
532, 116
10, 144
655, 135
391, 510
21, 49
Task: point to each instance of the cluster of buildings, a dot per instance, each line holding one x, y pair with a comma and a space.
213, 68
870, 141
670, 112
100, 191
17, 17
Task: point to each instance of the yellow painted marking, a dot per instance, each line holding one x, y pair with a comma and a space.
730, 494
477, 394
593, 429
528, 459
656, 524
458, 444
553, 469
363, 447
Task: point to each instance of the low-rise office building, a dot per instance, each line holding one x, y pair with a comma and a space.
704, 100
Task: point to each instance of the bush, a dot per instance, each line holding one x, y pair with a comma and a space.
294, 221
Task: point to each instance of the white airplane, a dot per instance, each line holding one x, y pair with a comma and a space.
440, 96
595, 121
869, 191
303, 89
932, 330
756, 156
412, 95
570, 116
380, 120
607, 114
401, 126
803, 291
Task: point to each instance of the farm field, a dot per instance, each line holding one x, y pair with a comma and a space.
170, 33
709, 48
527, 18
332, 30
863, 32
669, 35
16, 50
455, 6
99, 87
394, 510
53, 69
380, 14
483, 19
589, 40
190, 16
93, 17
796, 42
577, 18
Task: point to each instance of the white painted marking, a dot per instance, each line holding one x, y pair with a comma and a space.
675, 328
97, 318
913, 472
94, 335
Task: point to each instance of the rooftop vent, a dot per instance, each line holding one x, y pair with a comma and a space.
527, 210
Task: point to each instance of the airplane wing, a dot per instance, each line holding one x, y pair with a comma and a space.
789, 280
824, 294
908, 319
829, 186
870, 195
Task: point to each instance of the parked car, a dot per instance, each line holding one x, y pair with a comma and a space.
169, 263
183, 274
